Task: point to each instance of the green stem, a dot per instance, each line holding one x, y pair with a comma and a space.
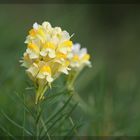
23, 116
43, 91
44, 126
72, 123
37, 122
71, 79
86, 108
70, 86
40, 93
37, 95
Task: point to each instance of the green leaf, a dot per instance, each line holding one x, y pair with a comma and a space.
71, 130
7, 132
72, 109
70, 134
23, 116
25, 106
66, 117
53, 124
57, 113
55, 95
16, 124
39, 115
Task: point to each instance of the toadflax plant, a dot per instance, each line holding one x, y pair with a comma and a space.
50, 53
79, 58
46, 56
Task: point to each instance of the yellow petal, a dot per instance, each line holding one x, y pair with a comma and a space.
67, 43
75, 58
41, 32
61, 55
49, 45
32, 32
33, 47
46, 69
86, 57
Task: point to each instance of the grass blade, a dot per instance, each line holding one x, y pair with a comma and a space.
57, 113
16, 124
59, 118
26, 107
71, 130
38, 116
72, 109
55, 95
45, 129
7, 132
66, 117
23, 118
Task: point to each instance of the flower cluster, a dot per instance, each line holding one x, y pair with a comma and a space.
79, 57
49, 53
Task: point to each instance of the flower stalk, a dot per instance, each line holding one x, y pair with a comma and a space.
37, 121
71, 79
40, 93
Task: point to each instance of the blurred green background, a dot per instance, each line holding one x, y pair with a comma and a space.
111, 34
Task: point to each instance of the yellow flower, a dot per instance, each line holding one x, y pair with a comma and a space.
47, 55
33, 51
45, 73
79, 57
64, 67
48, 49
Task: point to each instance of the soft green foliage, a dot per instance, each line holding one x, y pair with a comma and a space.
51, 117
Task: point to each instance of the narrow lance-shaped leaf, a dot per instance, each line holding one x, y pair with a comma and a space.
55, 95
66, 117
25, 106
56, 121
16, 124
7, 132
57, 113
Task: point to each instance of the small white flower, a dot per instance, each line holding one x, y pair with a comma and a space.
46, 25
64, 68
79, 57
